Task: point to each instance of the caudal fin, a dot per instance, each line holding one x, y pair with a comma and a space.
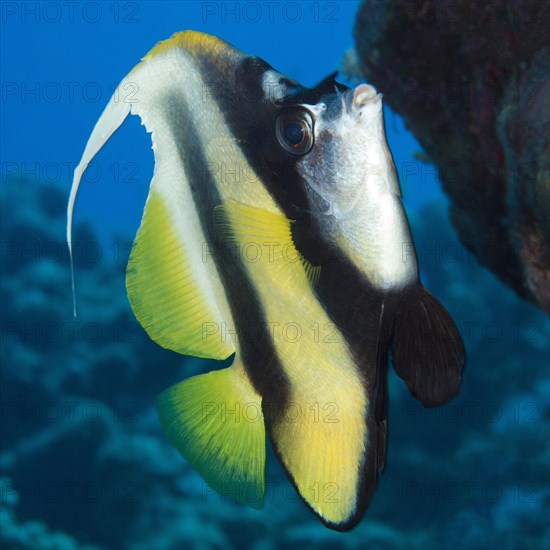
427, 349
215, 421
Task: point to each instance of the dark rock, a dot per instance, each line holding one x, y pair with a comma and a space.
471, 82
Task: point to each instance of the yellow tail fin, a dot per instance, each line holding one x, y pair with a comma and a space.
215, 421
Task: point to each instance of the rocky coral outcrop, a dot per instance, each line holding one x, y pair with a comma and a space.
471, 82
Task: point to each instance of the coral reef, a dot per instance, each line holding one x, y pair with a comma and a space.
83, 462
471, 82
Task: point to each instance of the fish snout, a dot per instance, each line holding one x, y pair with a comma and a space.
364, 97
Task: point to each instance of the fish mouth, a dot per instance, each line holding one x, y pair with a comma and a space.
364, 94
361, 97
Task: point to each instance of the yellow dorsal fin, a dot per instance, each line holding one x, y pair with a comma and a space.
265, 237
163, 283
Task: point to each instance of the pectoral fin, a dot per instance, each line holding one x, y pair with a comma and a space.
270, 233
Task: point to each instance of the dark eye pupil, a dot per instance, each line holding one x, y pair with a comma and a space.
293, 133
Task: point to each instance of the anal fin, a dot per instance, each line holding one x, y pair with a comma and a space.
321, 442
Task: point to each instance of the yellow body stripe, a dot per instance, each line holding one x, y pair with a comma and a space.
322, 434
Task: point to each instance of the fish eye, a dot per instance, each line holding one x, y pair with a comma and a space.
295, 131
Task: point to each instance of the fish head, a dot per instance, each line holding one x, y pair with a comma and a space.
334, 174
317, 149
335, 143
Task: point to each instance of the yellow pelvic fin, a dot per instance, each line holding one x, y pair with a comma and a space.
215, 421
265, 238
164, 290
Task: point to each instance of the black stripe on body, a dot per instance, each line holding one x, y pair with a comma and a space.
251, 117
257, 353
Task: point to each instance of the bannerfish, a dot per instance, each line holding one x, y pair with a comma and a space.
274, 232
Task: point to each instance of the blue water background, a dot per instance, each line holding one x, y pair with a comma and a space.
59, 74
